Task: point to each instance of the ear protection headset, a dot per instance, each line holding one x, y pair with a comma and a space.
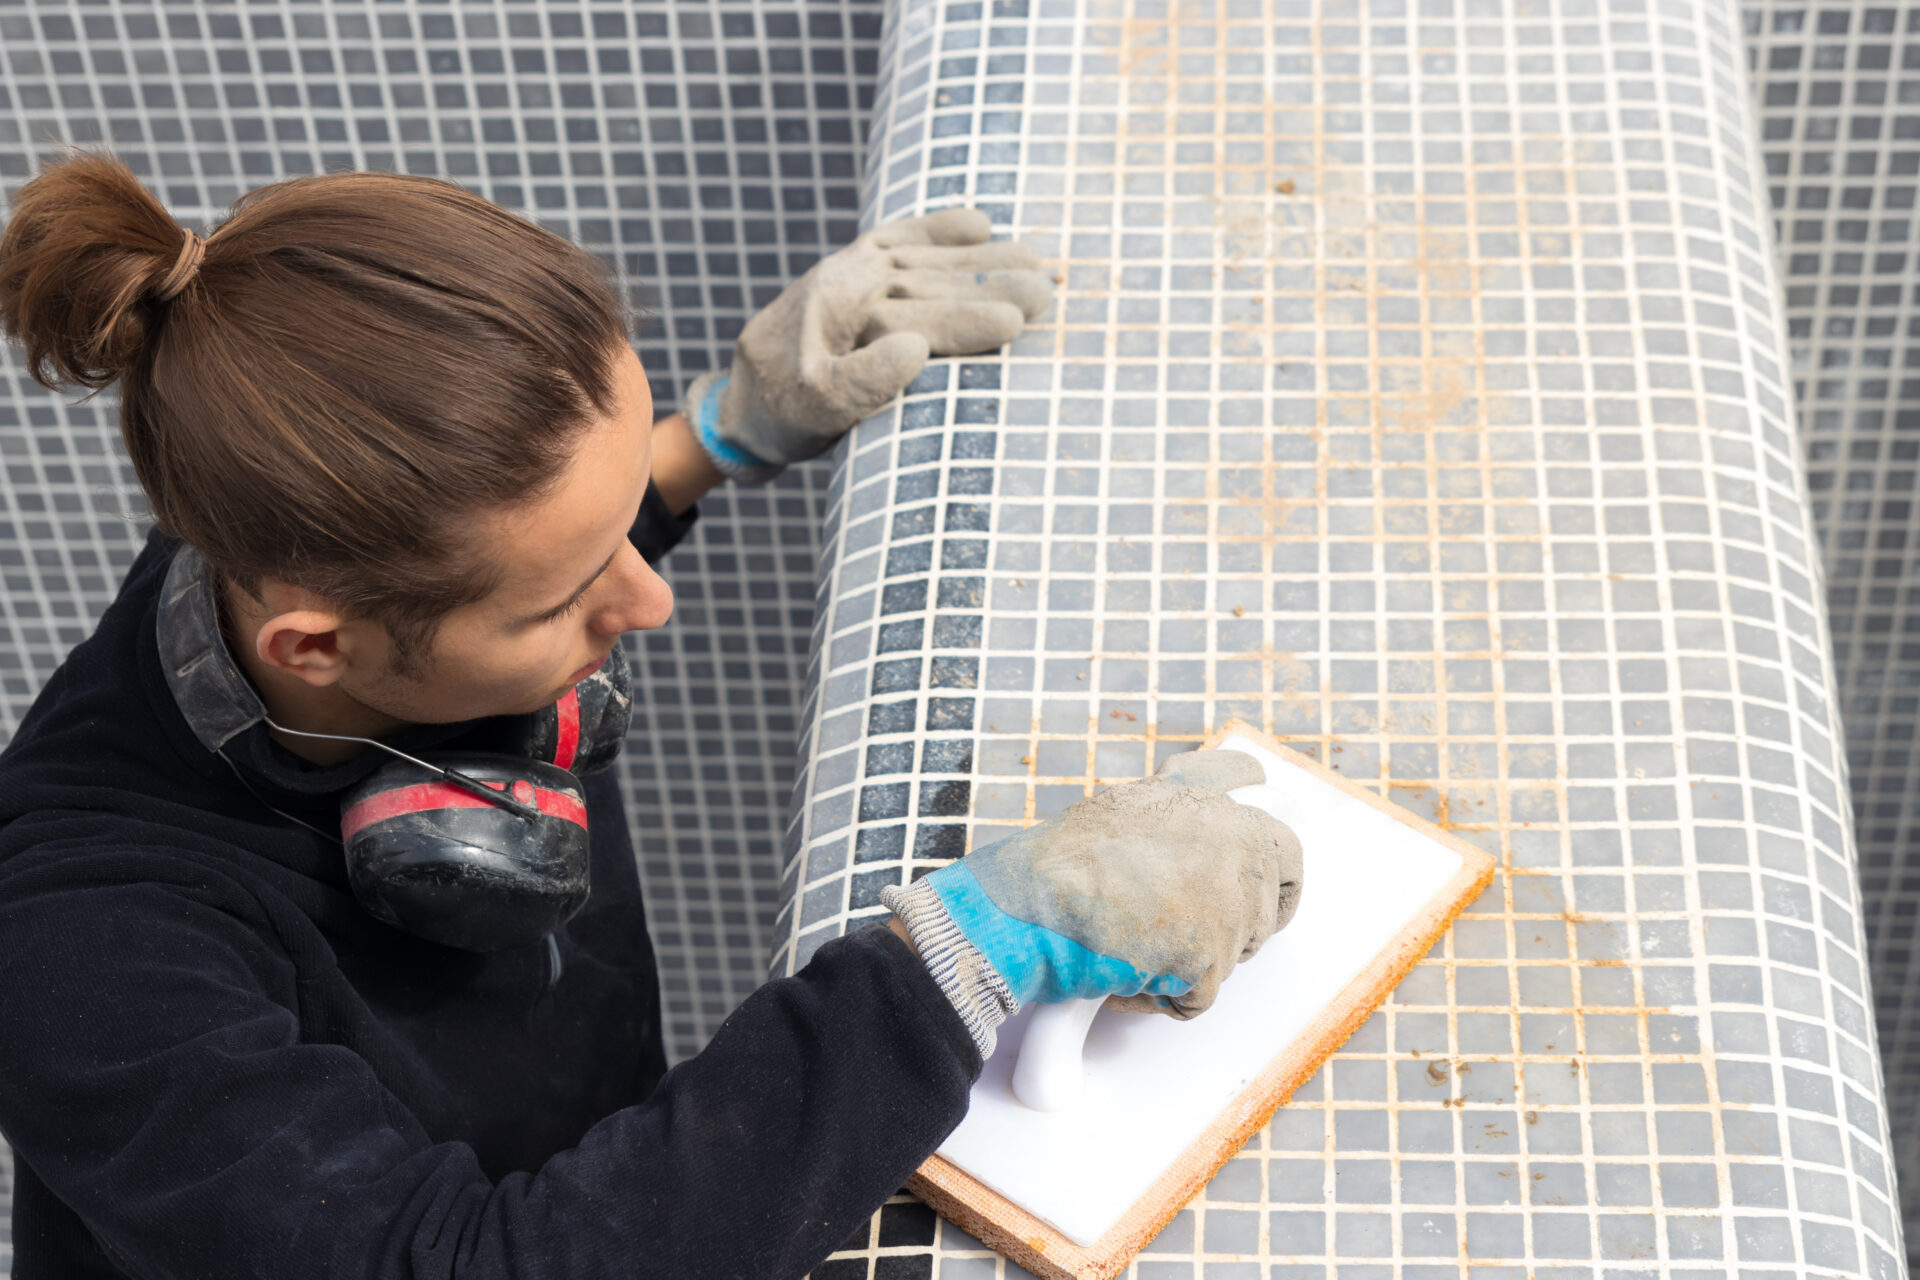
480, 850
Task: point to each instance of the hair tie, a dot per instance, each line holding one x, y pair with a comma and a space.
185, 267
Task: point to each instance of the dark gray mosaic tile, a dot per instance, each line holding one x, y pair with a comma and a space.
709, 151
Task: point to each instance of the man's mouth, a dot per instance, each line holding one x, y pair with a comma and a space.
588, 670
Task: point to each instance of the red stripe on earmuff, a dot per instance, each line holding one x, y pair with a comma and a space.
568, 745
426, 797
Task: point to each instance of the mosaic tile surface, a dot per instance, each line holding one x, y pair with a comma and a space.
709, 149
1419, 391
1836, 89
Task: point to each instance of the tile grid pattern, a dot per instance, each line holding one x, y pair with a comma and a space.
1428, 408
149, 79
1836, 89
709, 150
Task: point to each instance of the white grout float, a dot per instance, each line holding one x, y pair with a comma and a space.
1089, 1129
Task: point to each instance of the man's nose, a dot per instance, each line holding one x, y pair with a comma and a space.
640, 601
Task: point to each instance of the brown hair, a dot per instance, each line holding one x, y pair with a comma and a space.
361, 360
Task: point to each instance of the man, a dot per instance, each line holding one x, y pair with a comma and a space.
325, 947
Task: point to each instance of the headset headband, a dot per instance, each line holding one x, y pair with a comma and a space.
207, 683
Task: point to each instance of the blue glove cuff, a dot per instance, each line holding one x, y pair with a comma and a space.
726, 455
1037, 963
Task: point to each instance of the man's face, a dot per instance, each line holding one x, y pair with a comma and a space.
569, 584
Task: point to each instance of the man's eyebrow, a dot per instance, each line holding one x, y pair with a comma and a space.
544, 614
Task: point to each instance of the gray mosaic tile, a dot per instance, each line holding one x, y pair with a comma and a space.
1462, 538
1418, 390
1834, 88
709, 150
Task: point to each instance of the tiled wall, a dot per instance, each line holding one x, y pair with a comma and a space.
1417, 391
707, 148
1839, 109
711, 149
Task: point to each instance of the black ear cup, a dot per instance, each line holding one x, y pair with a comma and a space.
439, 861
582, 732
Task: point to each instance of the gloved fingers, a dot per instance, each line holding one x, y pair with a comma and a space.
1218, 767
1288, 870
950, 328
868, 377
994, 255
1289, 903
1271, 880
1199, 999
1030, 291
949, 226
835, 310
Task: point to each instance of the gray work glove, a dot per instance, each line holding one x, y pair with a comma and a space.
1147, 893
849, 335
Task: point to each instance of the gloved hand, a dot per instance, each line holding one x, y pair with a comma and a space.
849, 335
1148, 893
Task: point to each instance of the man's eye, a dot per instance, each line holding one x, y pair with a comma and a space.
568, 609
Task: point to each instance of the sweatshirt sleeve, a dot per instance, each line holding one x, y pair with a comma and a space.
657, 530
156, 1080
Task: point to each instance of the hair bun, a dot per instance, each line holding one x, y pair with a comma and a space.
84, 263
185, 267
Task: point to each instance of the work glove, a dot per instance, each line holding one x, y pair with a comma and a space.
849, 335
1148, 893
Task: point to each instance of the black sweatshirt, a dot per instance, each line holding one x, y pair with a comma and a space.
213, 1062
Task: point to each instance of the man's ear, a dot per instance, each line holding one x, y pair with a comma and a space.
292, 632
303, 643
